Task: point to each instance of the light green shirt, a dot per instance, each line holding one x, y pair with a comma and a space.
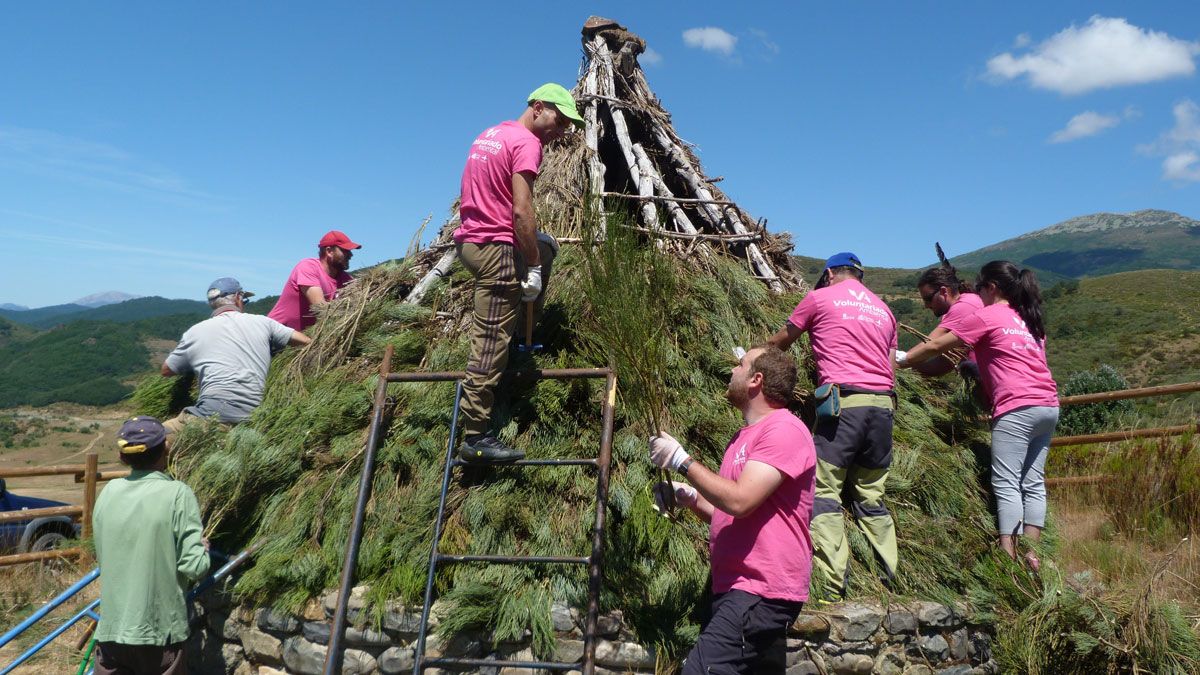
149, 544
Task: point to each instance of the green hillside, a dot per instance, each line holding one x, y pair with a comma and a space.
1099, 244
84, 362
1144, 323
91, 361
12, 332
122, 312
31, 316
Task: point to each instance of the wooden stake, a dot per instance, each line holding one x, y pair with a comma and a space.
692, 177
621, 131
91, 470
682, 222
529, 325
591, 138
439, 270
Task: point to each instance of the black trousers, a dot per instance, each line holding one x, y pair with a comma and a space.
113, 658
746, 634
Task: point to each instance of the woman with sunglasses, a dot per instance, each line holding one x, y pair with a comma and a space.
1008, 336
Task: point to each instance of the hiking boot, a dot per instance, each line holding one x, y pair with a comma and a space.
487, 449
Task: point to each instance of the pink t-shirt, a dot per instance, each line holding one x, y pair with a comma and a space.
769, 551
852, 333
960, 311
292, 308
1012, 364
486, 209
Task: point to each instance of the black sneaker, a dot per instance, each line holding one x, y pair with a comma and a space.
487, 449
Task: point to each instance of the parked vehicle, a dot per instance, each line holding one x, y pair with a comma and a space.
36, 534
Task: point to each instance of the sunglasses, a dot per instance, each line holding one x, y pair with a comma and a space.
929, 298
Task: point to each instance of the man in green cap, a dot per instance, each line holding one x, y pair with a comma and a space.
498, 242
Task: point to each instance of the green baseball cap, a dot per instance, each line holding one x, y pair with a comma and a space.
561, 98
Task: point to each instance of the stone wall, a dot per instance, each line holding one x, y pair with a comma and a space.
919, 638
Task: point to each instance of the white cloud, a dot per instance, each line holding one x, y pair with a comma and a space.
1180, 145
1022, 40
771, 47
650, 57
1083, 125
1184, 166
710, 39
1103, 53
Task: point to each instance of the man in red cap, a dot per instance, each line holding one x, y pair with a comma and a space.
315, 281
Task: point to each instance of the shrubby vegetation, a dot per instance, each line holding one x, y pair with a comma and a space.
21, 432
1093, 418
80, 363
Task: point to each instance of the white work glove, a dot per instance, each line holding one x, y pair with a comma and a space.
666, 452
531, 288
685, 495
901, 358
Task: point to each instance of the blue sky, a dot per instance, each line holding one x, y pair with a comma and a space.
151, 147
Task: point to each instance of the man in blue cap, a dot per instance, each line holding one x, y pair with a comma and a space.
230, 353
853, 337
150, 547
498, 243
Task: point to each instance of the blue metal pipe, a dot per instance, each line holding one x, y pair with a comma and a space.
89, 611
49, 638
49, 607
226, 569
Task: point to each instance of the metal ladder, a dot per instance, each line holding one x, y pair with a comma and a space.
593, 561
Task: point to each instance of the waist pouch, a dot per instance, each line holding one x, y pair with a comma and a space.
828, 401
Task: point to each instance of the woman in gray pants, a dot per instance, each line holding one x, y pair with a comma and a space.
1009, 339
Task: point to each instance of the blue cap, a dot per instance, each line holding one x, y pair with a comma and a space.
139, 434
844, 259
226, 286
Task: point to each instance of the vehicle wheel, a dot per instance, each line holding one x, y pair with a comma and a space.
48, 541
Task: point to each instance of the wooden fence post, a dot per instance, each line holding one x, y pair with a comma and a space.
91, 471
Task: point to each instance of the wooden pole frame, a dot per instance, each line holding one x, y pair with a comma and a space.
89, 475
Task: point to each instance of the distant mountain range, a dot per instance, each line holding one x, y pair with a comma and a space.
1100, 244
136, 309
105, 298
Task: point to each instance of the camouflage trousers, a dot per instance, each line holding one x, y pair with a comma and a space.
854, 453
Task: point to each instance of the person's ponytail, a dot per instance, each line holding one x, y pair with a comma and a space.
1020, 288
1029, 305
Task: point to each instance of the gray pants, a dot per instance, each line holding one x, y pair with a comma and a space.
1020, 440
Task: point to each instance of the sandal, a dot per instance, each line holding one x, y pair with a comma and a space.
1032, 561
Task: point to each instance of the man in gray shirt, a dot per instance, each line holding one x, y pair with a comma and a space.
230, 353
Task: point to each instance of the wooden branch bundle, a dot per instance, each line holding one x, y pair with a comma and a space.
656, 174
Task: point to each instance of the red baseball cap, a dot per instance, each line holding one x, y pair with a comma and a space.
339, 239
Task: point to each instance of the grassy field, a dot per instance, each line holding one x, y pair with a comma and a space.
53, 435
1134, 532
22, 589
58, 434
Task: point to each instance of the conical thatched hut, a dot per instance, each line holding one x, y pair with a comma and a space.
653, 252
